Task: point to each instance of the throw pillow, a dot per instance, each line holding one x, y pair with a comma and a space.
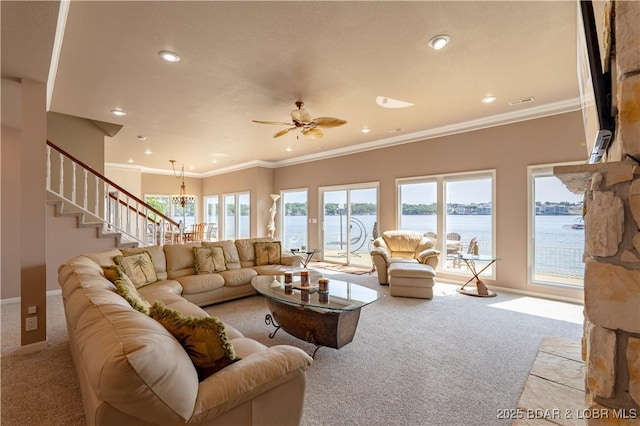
268, 252
126, 289
203, 338
209, 259
138, 267
111, 272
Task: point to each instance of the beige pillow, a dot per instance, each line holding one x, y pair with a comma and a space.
138, 267
203, 338
126, 289
268, 252
209, 259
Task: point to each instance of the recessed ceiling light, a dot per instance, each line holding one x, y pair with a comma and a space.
130, 160
365, 130
397, 130
191, 167
169, 56
385, 102
148, 152
439, 41
488, 99
118, 112
214, 161
141, 138
288, 149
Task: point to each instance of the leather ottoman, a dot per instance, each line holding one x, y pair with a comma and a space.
411, 280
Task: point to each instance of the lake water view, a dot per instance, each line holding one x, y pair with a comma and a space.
558, 246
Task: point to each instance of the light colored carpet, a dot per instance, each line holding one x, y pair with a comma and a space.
453, 360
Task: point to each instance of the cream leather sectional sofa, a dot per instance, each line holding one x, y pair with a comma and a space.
132, 371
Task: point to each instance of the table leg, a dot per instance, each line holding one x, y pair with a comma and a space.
481, 289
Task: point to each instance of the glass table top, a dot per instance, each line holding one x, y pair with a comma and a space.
343, 296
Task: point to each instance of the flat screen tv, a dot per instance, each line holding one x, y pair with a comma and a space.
595, 85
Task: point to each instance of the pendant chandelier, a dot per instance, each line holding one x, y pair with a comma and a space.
182, 199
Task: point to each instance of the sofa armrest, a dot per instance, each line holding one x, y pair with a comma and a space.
244, 380
291, 260
428, 257
381, 258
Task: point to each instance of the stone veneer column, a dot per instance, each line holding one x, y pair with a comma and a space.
611, 342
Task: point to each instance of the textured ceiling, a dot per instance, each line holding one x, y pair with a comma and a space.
252, 60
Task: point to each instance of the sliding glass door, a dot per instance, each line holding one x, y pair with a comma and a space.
350, 214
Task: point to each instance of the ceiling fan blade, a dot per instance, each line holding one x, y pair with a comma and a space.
328, 122
313, 133
283, 132
277, 123
300, 115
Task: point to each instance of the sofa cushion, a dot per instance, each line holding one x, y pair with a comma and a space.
126, 289
402, 243
138, 267
104, 257
193, 284
209, 259
203, 338
157, 255
267, 253
180, 259
238, 277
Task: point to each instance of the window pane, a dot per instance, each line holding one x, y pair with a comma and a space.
558, 232
364, 208
229, 217
468, 216
212, 212
294, 219
419, 207
244, 224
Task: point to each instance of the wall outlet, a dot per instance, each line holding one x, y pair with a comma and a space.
31, 323
32, 310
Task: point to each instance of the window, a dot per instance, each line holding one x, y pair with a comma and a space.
556, 231
211, 215
237, 216
163, 204
466, 214
294, 219
418, 206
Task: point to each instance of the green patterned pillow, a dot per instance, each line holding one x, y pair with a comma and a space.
111, 272
138, 267
126, 289
209, 259
268, 252
203, 338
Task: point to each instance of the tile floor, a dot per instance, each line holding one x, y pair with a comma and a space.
554, 391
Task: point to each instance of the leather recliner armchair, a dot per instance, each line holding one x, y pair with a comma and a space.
402, 246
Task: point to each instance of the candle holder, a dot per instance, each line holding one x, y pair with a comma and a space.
304, 278
323, 284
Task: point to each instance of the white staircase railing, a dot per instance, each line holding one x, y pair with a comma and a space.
104, 201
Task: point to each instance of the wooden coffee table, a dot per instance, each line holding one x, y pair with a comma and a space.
330, 323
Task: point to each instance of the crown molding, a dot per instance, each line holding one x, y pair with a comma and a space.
467, 126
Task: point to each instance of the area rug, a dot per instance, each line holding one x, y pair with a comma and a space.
341, 268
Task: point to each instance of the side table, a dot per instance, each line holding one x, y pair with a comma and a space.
481, 290
309, 254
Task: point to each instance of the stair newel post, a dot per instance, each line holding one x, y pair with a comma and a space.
85, 196
73, 183
48, 167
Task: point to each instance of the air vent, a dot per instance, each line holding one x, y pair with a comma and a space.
521, 101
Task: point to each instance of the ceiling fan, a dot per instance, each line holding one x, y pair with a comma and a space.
303, 122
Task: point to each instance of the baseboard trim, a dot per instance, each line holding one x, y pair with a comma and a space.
17, 299
33, 347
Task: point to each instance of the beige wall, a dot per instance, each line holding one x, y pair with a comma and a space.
129, 179
10, 219
79, 137
508, 149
